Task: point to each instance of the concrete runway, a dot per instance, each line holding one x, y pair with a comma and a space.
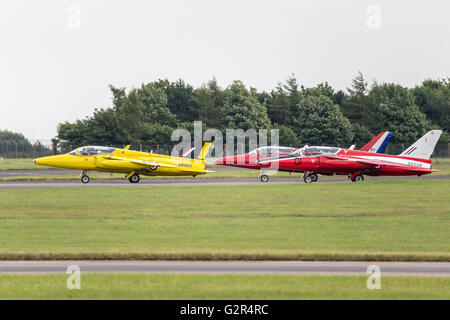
182, 182
60, 172
239, 267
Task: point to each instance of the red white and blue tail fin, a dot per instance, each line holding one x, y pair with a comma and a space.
188, 153
424, 147
379, 143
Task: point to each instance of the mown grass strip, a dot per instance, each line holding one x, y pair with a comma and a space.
224, 256
391, 221
222, 287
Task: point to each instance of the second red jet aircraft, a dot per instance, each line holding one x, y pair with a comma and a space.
313, 160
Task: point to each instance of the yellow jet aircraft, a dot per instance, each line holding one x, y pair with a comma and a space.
132, 163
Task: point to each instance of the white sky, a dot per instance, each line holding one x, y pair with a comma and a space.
50, 73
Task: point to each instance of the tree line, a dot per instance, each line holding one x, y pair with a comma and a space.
9, 140
318, 115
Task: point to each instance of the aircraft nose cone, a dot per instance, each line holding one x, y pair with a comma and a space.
219, 161
39, 161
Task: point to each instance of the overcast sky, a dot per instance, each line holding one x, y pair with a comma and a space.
58, 57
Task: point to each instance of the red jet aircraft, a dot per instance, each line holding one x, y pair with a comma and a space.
312, 160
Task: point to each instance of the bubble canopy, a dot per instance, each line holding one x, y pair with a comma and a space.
307, 151
271, 150
92, 151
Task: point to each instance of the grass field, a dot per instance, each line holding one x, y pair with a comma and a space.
383, 220
181, 286
19, 164
441, 161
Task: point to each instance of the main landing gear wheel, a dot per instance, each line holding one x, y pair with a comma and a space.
314, 177
308, 179
358, 178
134, 178
264, 178
85, 179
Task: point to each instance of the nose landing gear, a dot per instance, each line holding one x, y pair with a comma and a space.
84, 177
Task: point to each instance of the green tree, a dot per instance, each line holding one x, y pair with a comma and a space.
282, 100
340, 98
130, 113
357, 107
433, 98
181, 101
139, 117
278, 108
359, 86
242, 109
155, 133
318, 121
101, 128
321, 89
362, 135
209, 99
396, 111
287, 136
72, 135
9, 139
155, 105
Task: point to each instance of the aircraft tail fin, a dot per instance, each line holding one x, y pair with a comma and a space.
205, 149
379, 143
424, 147
189, 153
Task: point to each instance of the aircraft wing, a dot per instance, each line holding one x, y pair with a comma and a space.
379, 162
144, 162
372, 162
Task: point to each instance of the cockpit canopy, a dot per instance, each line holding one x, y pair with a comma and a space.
92, 151
271, 150
308, 151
